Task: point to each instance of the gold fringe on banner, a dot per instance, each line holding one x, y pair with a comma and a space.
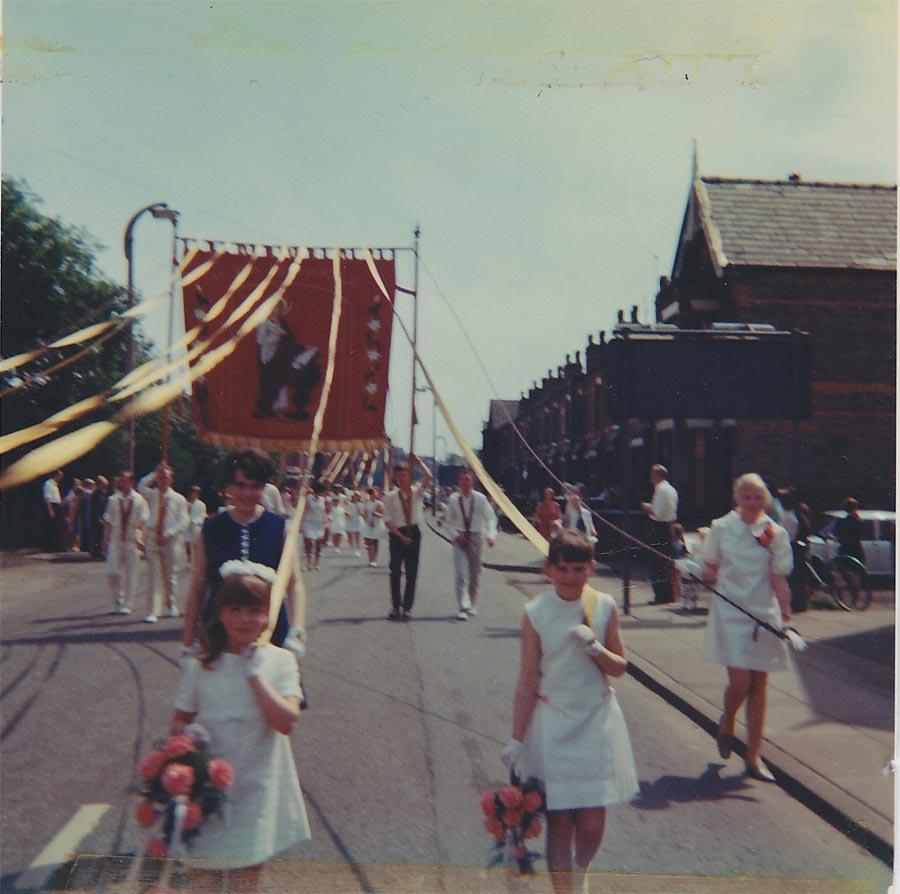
491, 486
234, 442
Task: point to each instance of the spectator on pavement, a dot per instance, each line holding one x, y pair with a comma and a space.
547, 517
85, 521
53, 512
99, 501
471, 522
663, 512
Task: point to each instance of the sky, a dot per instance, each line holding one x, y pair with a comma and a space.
545, 149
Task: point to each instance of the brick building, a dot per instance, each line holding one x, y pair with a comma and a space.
819, 257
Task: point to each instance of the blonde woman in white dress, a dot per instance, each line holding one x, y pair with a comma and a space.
747, 556
568, 729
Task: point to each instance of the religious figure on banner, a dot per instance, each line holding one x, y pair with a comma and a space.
270, 385
287, 369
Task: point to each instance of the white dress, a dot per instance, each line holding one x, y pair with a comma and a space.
337, 517
374, 528
354, 519
264, 812
313, 525
732, 638
577, 743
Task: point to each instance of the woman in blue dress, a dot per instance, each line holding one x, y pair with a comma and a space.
245, 530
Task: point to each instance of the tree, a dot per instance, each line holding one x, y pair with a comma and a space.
51, 287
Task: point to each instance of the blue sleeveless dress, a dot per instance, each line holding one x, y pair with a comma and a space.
260, 541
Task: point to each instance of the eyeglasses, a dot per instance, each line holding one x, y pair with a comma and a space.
246, 485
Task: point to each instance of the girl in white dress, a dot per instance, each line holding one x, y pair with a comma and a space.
313, 526
354, 522
568, 728
748, 558
247, 696
373, 519
337, 519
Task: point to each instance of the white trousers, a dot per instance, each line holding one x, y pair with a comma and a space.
467, 568
162, 568
122, 564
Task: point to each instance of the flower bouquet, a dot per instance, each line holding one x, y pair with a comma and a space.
512, 816
182, 786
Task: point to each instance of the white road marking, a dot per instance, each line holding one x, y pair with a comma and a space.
61, 847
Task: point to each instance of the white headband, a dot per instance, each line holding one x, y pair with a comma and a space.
247, 569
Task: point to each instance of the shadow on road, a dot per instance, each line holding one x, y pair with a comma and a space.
709, 786
140, 634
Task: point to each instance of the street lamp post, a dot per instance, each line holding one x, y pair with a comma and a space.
159, 210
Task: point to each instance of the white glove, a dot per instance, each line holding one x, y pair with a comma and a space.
688, 567
511, 753
586, 640
795, 639
295, 642
253, 656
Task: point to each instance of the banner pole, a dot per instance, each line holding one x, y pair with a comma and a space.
415, 332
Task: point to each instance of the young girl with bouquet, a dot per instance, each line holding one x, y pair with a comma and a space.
247, 696
568, 728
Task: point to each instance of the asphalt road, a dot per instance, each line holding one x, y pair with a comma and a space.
404, 732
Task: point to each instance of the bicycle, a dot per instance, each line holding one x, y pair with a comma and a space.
844, 579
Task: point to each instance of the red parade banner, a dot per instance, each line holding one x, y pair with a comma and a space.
267, 392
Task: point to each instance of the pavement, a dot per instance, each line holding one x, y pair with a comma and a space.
829, 735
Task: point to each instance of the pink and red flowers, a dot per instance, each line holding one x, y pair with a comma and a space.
180, 771
512, 815
766, 536
221, 774
177, 779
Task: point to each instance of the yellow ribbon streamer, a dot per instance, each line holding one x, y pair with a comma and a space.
62, 450
288, 564
499, 497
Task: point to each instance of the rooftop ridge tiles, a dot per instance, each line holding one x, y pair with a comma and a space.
831, 184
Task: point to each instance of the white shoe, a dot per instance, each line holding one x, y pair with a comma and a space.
173, 613
462, 616
471, 612
150, 619
357, 553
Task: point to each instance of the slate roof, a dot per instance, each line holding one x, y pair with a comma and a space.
787, 223
497, 418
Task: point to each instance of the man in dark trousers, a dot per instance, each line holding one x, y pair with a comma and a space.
402, 517
663, 511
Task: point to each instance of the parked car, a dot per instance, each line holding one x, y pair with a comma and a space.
877, 540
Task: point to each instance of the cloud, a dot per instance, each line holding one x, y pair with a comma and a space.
232, 36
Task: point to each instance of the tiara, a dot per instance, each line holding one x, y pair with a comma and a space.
247, 569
